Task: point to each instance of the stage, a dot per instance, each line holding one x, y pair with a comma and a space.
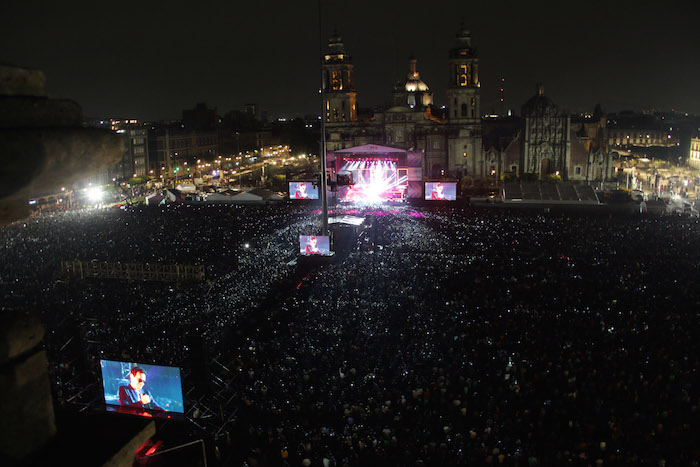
372, 174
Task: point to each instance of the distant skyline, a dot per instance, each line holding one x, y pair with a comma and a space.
147, 61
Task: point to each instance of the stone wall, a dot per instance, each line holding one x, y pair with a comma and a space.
26, 405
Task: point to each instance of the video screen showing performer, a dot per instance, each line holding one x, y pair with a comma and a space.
302, 190
141, 389
314, 245
134, 394
440, 191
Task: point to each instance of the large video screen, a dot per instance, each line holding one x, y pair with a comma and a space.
142, 389
436, 191
314, 245
303, 190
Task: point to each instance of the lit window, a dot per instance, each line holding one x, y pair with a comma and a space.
337, 80
463, 77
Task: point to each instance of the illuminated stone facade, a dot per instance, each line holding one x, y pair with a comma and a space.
338, 84
640, 137
694, 156
547, 142
544, 142
451, 144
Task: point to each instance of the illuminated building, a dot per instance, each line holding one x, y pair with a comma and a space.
464, 109
136, 157
639, 137
340, 94
628, 130
171, 144
450, 144
546, 141
137, 146
452, 138
694, 155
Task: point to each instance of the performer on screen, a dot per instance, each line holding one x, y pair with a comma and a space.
301, 192
311, 247
134, 395
438, 192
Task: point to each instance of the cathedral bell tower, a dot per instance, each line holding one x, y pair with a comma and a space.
463, 109
463, 87
340, 104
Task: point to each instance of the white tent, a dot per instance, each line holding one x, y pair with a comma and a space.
187, 187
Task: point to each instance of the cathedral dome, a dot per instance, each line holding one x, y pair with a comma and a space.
412, 91
414, 84
539, 105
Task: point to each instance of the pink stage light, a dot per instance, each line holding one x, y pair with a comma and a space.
375, 181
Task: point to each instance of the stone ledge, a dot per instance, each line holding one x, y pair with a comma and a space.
26, 111
16, 81
26, 407
19, 333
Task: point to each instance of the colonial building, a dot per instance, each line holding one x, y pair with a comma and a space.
464, 145
627, 130
546, 142
451, 138
341, 97
546, 138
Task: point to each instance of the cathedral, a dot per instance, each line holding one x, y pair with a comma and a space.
456, 142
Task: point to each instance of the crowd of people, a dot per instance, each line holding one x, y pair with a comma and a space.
244, 251
466, 338
446, 336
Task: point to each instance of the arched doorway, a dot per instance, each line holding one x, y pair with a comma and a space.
545, 167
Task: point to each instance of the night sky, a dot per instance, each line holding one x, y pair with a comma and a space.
149, 60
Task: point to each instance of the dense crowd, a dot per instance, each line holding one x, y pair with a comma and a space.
447, 336
490, 338
244, 251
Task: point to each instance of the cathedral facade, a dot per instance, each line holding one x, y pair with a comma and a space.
452, 138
